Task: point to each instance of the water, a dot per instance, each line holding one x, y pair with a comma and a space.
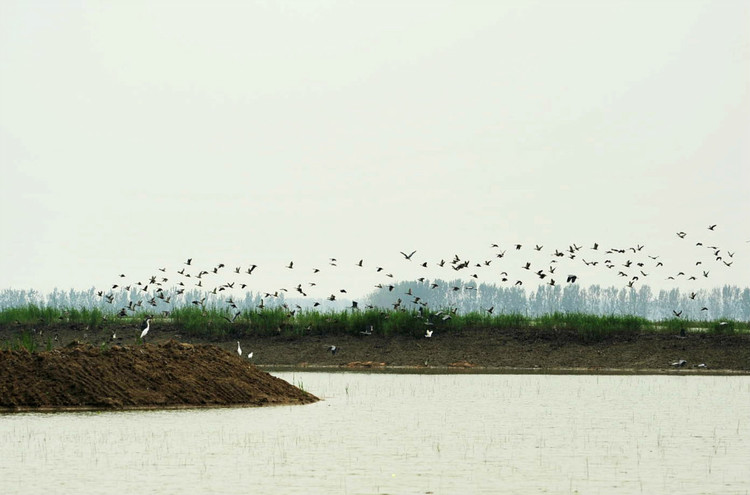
415, 434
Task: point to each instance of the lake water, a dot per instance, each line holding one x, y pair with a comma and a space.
406, 434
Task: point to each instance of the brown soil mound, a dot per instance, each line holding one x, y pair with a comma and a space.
167, 375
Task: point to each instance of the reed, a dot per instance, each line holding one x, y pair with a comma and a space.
723, 327
31, 314
24, 341
592, 328
221, 322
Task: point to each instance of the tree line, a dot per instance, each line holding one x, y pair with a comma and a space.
730, 302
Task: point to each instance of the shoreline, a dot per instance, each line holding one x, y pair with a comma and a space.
492, 370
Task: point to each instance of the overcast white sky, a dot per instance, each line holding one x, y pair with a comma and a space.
134, 135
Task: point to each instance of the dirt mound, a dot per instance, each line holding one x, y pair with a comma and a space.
147, 376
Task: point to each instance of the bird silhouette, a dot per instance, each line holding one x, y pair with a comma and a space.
408, 256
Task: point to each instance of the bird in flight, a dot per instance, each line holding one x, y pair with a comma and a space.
408, 256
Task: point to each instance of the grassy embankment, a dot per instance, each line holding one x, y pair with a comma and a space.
215, 323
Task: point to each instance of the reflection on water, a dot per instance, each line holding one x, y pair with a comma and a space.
385, 433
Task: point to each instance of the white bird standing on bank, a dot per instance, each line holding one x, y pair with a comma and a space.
239, 349
145, 327
250, 355
428, 333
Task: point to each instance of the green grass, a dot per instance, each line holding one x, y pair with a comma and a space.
221, 323
36, 315
25, 341
723, 327
31, 314
593, 328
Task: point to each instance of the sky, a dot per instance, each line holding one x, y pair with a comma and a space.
135, 135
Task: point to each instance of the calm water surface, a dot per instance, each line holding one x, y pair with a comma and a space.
414, 434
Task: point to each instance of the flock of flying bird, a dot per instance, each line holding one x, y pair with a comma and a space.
631, 264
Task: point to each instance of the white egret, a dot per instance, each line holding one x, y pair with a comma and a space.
239, 349
428, 334
145, 327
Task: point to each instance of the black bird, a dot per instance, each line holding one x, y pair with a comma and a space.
571, 279
408, 256
712, 227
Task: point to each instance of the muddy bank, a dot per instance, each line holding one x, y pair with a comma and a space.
479, 348
168, 375
510, 350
